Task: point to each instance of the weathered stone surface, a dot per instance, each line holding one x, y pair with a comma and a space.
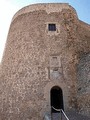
36, 59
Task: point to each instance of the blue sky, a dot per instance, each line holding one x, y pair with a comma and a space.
9, 7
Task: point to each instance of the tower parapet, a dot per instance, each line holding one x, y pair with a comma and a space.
48, 7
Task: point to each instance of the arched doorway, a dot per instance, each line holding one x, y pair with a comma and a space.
56, 99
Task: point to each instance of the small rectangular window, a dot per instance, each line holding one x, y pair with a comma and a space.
52, 27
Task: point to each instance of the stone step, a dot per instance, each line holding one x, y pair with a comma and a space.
72, 115
57, 116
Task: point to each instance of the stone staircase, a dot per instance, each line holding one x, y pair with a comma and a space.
57, 116
72, 115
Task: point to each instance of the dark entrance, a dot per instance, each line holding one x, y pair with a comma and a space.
56, 99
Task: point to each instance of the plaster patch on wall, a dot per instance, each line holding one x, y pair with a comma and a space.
55, 69
55, 61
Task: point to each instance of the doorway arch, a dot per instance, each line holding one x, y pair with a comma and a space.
56, 98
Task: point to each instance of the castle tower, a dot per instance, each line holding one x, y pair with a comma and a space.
47, 46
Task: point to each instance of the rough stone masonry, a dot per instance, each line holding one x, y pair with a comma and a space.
46, 59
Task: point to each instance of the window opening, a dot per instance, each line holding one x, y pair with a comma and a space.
52, 27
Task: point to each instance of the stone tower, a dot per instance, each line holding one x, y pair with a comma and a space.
46, 63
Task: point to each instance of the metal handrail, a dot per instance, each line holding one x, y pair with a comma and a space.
65, 114
61, 110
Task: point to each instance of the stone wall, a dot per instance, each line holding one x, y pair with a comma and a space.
36, 59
